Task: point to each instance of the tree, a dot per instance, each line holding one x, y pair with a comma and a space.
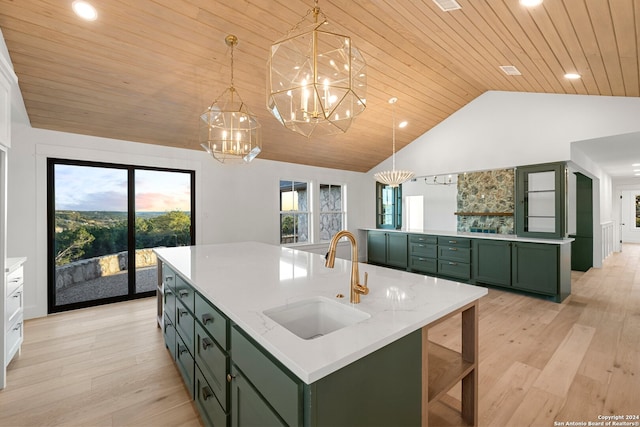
70, 244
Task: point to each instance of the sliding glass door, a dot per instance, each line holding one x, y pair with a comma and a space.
104, 220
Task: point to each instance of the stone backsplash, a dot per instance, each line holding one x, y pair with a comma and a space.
487, 191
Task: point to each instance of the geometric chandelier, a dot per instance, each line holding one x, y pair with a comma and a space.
393, 178
229, 132
316, 78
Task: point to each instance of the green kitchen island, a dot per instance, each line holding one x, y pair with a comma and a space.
262, 336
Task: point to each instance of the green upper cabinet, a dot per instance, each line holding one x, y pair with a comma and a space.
388, 206
541, 199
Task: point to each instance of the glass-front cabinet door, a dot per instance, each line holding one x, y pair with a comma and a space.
540, 211
388, 206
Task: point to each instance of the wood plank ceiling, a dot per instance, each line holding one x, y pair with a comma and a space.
146, 69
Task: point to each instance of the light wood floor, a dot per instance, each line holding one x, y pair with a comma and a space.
540, 361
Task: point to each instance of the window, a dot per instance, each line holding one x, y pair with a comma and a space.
294, 212
103, 221
388, 206
332, 213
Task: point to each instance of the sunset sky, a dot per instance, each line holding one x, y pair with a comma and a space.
84, 188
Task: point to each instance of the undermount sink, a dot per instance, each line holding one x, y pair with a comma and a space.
315, 317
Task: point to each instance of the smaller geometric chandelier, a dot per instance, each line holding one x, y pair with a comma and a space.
229, 132
316, 78
393, 178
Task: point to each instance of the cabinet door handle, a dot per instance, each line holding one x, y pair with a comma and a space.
453, 263
183, 293
230, 377
206, 318
206, 393
206, 343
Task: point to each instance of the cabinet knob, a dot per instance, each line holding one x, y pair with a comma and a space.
206, 343
206, 393
230, 377
206, 318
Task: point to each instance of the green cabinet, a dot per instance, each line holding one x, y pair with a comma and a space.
454, 257
248, 407
387, 248
423, 253
541, 199
492, 262
542, 269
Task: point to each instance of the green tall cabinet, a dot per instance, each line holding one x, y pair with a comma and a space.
541, 200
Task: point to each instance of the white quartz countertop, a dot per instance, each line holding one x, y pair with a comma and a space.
244, 279
468, 234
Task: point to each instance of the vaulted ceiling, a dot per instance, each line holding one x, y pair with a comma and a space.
145, 69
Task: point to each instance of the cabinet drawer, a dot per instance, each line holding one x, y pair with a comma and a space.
185, 364
214, 322
275, 385
184, 325
185, 293
170, 337
15, 279
214, 364
14, 339
14, 306
207, 404
425, 265
168, 277
170, 304
459, 270
423, 238
423, 249
454, 241
454, 253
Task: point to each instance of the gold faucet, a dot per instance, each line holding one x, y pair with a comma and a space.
330, 258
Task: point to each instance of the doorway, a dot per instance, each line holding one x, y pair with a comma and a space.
104, 221
582, 246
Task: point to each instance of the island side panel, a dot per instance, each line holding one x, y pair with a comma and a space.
383, 388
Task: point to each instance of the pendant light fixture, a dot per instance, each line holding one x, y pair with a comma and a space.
229, 132
316, 78
393, 177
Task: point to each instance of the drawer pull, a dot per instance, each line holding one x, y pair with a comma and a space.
168, 292
182, 349
206, 343
421, 246
206, 393
206, 318
453, 249
182, 312
166, 279
18, 326
17, 295
230, 377
453, 263
422, 259
16, 280
453, 242
183, 293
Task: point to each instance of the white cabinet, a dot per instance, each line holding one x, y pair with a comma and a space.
13, 303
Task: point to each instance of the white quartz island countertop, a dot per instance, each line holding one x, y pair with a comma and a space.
244, 279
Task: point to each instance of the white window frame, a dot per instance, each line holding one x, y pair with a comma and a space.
296, 212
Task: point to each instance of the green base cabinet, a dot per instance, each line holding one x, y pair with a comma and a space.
492, 262
542, 268
454, 257
388, 249
423, 253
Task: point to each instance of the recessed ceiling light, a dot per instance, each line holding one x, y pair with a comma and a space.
403, 124
530, 3
85, 10
572, 76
